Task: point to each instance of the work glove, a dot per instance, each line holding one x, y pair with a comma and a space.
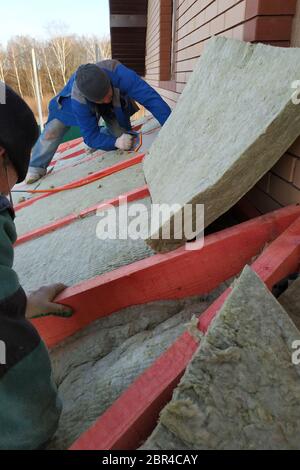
42, 302
124, 142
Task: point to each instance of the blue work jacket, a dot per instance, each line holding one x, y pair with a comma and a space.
73, 109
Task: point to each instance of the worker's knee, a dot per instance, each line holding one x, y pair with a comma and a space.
51, 134
53, 130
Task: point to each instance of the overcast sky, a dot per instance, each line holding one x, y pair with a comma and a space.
30, 17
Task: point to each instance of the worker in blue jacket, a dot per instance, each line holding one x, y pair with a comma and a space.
106, 90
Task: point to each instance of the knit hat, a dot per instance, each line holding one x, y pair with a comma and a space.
92, 82
18, 130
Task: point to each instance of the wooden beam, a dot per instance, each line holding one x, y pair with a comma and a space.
174, 275
131, 161
131, 419
134, 195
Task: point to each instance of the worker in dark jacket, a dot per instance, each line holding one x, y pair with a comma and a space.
107, 89
29, 404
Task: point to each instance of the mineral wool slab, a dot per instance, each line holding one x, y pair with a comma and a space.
73, 201
95, 366
75, 253
233, 121
241, 390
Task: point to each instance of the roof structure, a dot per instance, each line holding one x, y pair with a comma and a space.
58, 224
62, 246
128, 27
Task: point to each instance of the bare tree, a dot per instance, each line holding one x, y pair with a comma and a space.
3, 61
61, 45
19, 57
57, 59
90, 46
105, 47
97, 48
16, 71
46, 62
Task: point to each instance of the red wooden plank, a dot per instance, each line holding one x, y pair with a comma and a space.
132, 417
74, 155
68, 157
72, 165
94, 176
281, 258
152, 131
134, 195
166, 276
131, 196
29, 202
39, 232
89, 179
69, 145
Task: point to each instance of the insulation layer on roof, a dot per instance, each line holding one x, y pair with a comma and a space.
73, 201
76, 252
72, 252
241, 390
233, 121
95, 366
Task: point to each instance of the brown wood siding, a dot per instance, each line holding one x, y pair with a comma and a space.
128, 23
295, 42
127, 7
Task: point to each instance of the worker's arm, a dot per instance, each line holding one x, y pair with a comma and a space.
89, 128
30, 408
135, 87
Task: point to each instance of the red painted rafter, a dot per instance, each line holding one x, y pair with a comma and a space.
133, 416
72, 165
69, 145
134, 195
89, 179
68, 157
166, 276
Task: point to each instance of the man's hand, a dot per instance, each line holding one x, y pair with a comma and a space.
124, 142
40, 301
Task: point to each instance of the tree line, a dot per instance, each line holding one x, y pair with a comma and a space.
57, 59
